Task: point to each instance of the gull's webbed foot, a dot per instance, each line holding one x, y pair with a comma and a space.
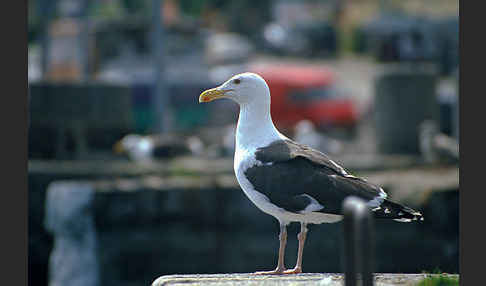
296, 270
276, 271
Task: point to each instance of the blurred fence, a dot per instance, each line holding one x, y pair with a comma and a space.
143, 233
67, 120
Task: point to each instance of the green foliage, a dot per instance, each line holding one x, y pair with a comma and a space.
439, 280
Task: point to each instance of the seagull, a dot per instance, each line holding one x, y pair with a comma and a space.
435, 146
149, 148
285, 179
306, 133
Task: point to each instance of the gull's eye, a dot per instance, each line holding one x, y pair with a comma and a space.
236, 81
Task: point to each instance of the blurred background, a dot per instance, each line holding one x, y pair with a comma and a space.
130, 178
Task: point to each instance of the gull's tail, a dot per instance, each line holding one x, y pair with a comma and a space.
397, 212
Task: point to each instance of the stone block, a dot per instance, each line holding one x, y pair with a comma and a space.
318, 279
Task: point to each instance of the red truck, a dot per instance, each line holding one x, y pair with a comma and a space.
307, 92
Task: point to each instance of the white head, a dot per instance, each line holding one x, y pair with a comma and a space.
245, 88
138, 147
130, 141
251, 92
304, 127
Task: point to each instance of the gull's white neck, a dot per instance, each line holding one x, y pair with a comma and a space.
255, 127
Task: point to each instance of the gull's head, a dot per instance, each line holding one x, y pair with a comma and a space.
243, 88
127, 143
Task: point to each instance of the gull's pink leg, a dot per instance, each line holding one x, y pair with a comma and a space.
281, 253
301, 236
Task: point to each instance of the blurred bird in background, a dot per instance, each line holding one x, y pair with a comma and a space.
146, 148
435, 146
306, 133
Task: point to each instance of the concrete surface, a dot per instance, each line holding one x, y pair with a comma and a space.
328, 279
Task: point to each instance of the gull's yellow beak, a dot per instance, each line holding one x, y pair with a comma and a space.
212, 94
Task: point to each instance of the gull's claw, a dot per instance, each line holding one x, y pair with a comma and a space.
277, 271
296, 270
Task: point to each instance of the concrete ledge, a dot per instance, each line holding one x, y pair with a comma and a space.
328, 279
209, 166
405, 183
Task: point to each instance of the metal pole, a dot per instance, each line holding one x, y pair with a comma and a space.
358, 238
160, 102
350, 243
85, 40
45, 8
367, 246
